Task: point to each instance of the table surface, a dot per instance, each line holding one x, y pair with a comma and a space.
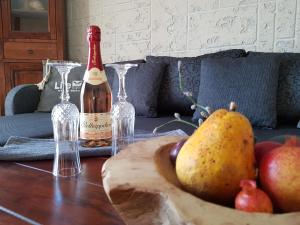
29, 190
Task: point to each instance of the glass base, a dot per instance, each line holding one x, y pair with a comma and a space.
67, 172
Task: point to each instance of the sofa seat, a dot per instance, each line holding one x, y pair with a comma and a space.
260, 134
149, 124
280, 130
25, 125
39, 125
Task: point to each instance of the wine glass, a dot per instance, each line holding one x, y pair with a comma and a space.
123, 112
65, 119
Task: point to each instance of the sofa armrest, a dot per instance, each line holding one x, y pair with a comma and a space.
22, 99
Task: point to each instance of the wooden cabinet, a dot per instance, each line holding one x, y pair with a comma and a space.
24, 50
22, 73
30, 31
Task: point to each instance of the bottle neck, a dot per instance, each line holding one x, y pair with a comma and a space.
94, 58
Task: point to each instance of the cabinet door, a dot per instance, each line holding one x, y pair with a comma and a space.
22, 73
2, 88
29, 19
1, 38
1, 5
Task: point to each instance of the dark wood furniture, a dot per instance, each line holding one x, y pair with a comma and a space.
29, 189
28, 35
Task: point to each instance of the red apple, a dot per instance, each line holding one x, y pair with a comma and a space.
261, 148
280, 176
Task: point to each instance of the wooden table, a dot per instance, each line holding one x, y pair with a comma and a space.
30, 190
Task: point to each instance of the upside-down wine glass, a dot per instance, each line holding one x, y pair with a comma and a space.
65, 119
123, 113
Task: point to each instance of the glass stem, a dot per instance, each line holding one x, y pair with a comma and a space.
122, 93
64, 90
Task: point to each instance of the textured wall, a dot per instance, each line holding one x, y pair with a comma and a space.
133, 29
80, 14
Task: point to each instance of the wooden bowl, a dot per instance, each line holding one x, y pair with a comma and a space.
142, 185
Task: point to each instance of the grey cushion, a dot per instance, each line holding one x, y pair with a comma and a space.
25, 125
170, 97
288, 95
50, 95
111, 73
250, 82
288, 102
142, 86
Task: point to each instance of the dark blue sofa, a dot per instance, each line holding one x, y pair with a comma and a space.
21, 118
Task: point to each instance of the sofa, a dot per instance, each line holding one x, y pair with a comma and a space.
170, 95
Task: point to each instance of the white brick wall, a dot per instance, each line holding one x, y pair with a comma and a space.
132, 29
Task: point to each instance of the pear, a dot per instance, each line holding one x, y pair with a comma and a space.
218, 155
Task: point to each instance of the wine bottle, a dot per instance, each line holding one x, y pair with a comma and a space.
95, 97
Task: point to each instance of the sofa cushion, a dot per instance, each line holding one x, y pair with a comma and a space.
171, 98
50, 95
288, 94
250, 82
111, 73
142, 84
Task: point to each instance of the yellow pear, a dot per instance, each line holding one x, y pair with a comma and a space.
217, 156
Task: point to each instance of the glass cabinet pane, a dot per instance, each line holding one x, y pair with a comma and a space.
29, 15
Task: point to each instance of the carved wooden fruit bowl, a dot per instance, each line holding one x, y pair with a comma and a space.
142, 185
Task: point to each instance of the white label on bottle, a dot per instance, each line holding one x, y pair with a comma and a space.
95, 126
95, 76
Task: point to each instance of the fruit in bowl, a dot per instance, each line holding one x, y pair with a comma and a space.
218, 155
252, 199
136, 177
210, 165
280, 175
262, 148
175, 150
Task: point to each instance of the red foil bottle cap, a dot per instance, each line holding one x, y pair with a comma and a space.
93, 33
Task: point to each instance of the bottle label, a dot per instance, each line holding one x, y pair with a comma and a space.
95, 76
95, 126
